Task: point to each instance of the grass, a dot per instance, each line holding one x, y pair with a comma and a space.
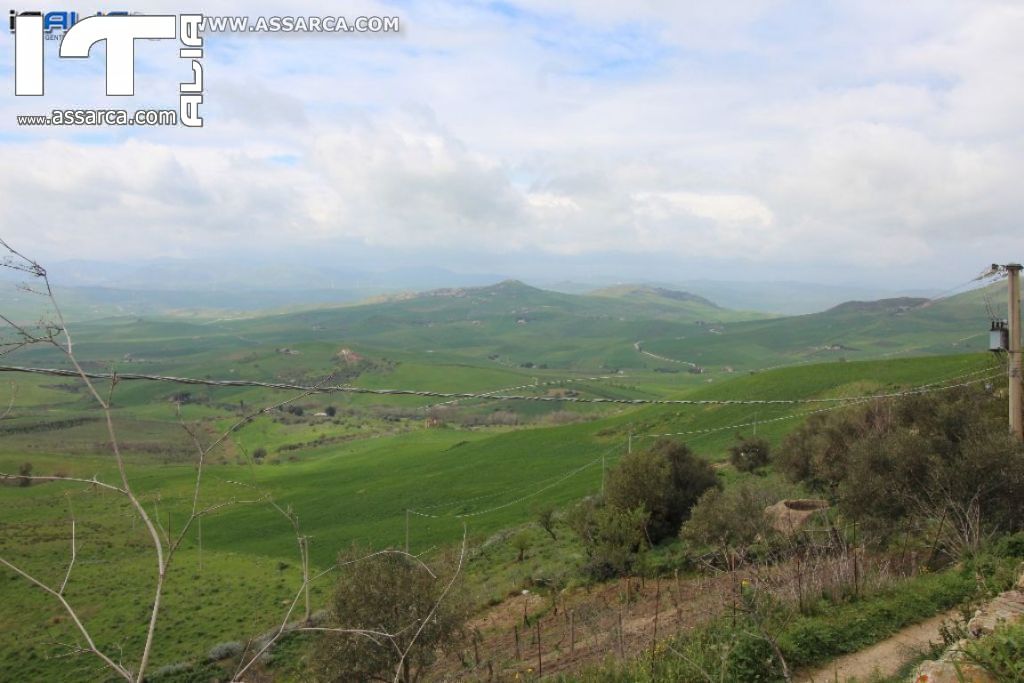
352, 477
729, 648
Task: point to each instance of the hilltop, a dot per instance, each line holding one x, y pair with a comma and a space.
852, 330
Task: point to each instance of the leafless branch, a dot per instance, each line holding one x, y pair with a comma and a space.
433, 610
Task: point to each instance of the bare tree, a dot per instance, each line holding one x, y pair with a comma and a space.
55, 334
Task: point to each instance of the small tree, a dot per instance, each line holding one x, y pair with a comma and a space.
733, 520
613, 538
665, 480
750, 455
25, 471
546, 520
521, 542
330, 411
259, 454
388, 593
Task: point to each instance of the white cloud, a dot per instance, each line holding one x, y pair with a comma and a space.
857, 133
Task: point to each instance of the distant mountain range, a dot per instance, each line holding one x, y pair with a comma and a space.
95, 289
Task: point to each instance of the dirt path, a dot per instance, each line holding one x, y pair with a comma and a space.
884, 658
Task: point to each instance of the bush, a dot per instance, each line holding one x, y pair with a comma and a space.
25, 473
389, 593
665, 480
1000, 653
750, 455
733, 519
259, 453
223, 651
612, 538
924, 458
330, 411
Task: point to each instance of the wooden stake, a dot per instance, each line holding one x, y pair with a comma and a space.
657, 607
540, 661
622, 647
572, 631
515, 630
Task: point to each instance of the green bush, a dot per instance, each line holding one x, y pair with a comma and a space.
1001, 653
612, 538
750, 455
665, 480
945, 456
389, 593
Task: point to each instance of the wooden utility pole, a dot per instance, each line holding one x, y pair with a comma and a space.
1013, 350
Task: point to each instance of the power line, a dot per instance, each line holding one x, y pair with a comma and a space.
568, 380
991, 374
520, 499
698, 432
348, 389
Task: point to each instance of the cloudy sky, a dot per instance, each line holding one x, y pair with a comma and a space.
873, 142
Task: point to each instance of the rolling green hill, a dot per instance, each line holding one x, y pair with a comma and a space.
854, 330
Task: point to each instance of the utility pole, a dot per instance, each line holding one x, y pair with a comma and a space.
1016, 415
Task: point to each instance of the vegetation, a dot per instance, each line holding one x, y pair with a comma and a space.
942, 458
389, 613
613, 537
349, 466
750, 454
753, 643
732, 521
664, 481
1001, 653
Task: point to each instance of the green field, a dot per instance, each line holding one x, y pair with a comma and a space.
351, 478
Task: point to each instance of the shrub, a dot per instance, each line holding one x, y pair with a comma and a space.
750, 455
226, 650
1001, 653
259, 453
330, 411
943, 457
612, 538
389, 593
665, 480
733, 519
25, 473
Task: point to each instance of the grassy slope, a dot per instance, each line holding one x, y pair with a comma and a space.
342, 492
951, 325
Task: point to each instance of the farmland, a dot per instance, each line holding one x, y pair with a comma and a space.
353, 473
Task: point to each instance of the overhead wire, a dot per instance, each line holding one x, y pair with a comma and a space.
331, 389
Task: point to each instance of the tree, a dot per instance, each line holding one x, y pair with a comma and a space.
330, 411
944, 459
665, 480
612, 537
25, 472
387, 593
750, 454
521, 542
546, 520
733, 520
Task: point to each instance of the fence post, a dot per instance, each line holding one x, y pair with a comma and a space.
572, 631
622, 649
540, 661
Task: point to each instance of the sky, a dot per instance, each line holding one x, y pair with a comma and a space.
877, 143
